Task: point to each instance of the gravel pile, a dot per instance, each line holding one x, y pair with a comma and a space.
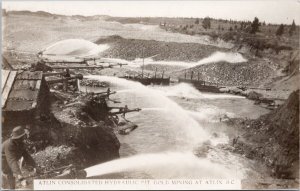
130, 49
237, 74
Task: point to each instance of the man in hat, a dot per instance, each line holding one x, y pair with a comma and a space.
13, 149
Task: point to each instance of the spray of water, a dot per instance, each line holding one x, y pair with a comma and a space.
189, 127
124, 91
74, 47
178, 163
211, 114
164, 165
231, 57
154, 109
188, 91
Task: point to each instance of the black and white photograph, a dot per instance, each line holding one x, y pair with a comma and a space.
150, 95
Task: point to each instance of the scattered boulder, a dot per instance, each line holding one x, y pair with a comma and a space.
254, 95
202, 150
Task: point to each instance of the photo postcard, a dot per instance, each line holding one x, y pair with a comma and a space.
150, 95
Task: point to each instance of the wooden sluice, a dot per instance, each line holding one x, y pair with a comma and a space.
200, 84
147, 80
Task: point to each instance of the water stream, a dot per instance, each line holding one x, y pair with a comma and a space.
230, 57
174, 122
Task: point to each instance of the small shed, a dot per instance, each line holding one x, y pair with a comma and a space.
25, 97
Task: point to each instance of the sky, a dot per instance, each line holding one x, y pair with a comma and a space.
270, 11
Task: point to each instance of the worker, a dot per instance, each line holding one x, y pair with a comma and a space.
124, 110
235, 140
13, 149
67, 74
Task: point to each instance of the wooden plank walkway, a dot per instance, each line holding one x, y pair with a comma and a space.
7, 87
4, 77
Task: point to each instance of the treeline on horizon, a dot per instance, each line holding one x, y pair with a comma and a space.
246, 26
133, 19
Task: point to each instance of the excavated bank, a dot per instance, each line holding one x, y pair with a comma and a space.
273, 139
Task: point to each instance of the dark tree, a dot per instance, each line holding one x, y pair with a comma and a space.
255, 26
242, 25
197, 21
206, 23
230, 29
280, 30
292, 28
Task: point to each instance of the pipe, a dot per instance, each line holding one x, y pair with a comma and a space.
77, 76
65, 62
79, 67
125, 111
46, 74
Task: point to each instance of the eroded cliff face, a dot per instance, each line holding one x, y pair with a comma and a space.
274, 139
283, 126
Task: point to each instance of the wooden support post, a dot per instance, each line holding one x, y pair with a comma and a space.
184, 74
65, 85
162, 76
192, 75
198, 75
155, 72
76, 86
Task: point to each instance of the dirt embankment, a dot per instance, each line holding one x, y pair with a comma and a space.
273, 139
70, 134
